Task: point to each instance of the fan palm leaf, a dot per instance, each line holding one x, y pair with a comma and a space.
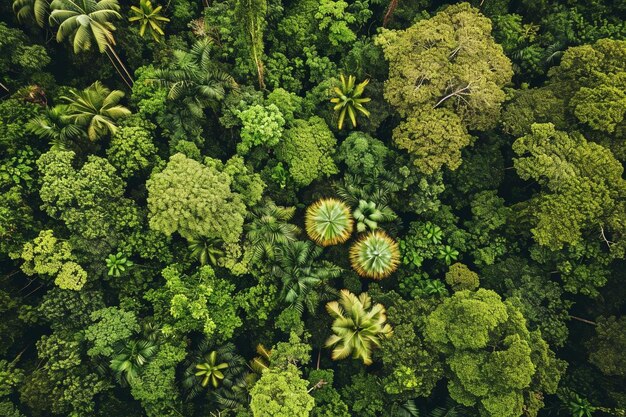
375, 255
328, 222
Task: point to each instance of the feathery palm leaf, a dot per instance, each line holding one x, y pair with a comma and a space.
269, 228
375, 255
328, 222
358, 326
36, 10
85, 22
96, 109
352, 189
195, 81
305, 280
54, 126
131, 356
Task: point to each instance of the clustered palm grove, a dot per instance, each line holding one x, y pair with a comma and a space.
324, 208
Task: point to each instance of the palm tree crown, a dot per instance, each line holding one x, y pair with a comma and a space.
54, 126
301, 273
96, 108
36, 10
358, 326
328, 222
149, 18
196, 80
375, 255
368, 215
131, 357
85, 22
212, 368
349, 100
205, 249
270, 228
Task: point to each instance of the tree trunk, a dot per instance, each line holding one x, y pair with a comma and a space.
119, 67
390, 9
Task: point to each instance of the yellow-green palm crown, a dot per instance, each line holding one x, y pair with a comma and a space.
85, 22
149, 18
348, 100
358, 326
328, 222
375, 255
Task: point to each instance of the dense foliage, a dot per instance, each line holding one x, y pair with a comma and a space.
312, 208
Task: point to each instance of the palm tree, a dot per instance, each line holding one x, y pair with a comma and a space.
87, 21
210, 368
349, 100
269, 228
358, 326
375, 255
29, 10
261, 362
368, 214
196, 81
54, 126
118, 263
131, 356
96, 109
149, 18
305, 280
328, 222
205, 249
380, 190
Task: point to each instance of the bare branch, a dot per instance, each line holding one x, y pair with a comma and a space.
465, 90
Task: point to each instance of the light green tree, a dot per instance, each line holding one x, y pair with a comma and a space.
460, 277
261, 126
492, 360
582, 187
199, 302
281, 393
47, 255
90, 200
308, 148
195, 200
455, 83
110, 326
132, 150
